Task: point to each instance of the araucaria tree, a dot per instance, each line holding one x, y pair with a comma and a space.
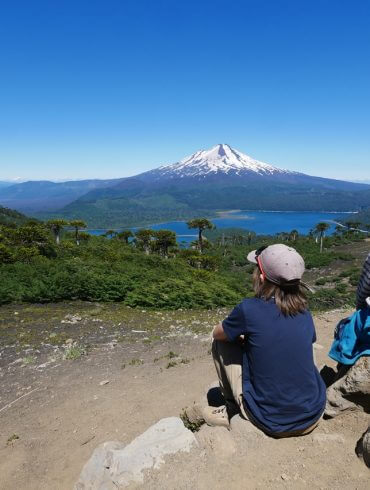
143, 237
56, 226
125, 235
202, 224
321, 228
164, 239
77, 225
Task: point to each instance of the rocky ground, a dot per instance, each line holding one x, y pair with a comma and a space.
75, 375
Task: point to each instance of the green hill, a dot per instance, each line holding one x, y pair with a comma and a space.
9, 216
364, 216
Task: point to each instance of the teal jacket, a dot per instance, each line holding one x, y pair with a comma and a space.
352, 338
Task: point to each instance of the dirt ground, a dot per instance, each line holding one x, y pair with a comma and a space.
73, 375
136, 367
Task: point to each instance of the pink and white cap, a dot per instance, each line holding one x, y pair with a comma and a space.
279, 263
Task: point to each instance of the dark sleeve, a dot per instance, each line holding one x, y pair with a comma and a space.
363, 289
235, 325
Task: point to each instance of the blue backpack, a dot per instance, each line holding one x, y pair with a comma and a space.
352, 338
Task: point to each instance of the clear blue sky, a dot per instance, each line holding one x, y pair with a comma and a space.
110, 88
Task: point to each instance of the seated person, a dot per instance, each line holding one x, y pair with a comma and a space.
363, 288
263, 352
349, 386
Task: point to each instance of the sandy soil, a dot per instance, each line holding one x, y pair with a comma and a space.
55, 411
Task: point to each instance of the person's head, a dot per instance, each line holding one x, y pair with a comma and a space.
278, 275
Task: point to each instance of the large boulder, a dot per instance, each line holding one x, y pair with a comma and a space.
113, 465
351, 391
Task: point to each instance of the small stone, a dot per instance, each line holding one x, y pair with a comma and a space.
284, 477
318, 346
104, 382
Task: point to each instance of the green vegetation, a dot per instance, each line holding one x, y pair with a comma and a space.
11, 439
74, 351
11, 217
362, 220
42, 263
193, 426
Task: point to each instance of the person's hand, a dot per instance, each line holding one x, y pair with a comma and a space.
240, 340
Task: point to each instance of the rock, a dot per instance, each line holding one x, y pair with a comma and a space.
194, 413
351, 391
363, 447
317, 346
218, 440
95, 474
366, 447
245, 433
104, 382
69, 318
114, 465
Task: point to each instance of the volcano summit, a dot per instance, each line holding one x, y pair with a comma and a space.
221, 178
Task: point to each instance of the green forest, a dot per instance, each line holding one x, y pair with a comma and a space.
57, 261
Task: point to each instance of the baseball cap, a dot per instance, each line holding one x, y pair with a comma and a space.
279, 263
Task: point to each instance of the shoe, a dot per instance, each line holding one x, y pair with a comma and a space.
216, 416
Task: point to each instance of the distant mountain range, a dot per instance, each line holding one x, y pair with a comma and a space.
44, 195
221, 178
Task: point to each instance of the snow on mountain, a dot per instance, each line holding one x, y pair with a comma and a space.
219, 159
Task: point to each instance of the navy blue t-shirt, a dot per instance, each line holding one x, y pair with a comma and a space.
282, 387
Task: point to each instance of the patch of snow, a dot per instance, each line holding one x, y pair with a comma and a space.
219, 159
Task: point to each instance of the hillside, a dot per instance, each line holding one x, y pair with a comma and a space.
217, 179
364, 216
9, 216
35, 196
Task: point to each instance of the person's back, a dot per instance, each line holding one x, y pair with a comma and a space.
263, 351
282, 389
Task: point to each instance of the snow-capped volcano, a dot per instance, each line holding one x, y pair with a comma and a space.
221, 159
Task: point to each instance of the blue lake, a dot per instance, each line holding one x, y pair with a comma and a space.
261, 222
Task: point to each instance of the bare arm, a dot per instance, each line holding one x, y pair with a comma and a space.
218, 333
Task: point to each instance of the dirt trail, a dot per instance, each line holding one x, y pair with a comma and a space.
66, 408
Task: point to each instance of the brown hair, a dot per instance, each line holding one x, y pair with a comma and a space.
290, 300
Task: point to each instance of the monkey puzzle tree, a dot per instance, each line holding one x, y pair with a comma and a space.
110, 233
164, 239
125, 235
293, 235
201, 224
143, 237
321, 228
77, 225
56, 226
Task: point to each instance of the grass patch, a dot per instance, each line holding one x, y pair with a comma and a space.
193, 426
74, 352
29, 360
171, 364
12, 438
136, 362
